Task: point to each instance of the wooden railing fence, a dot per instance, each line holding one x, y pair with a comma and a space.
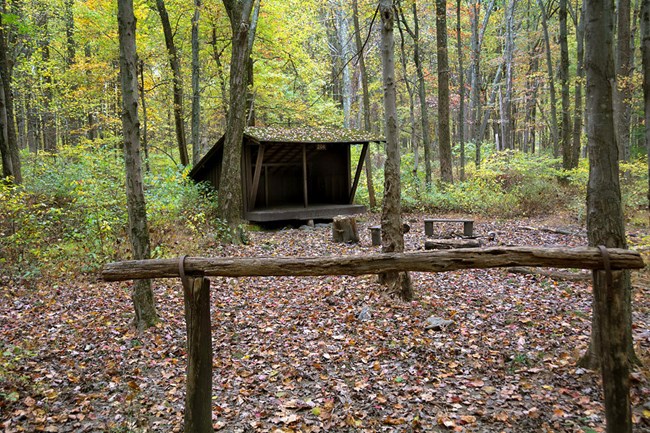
194, 270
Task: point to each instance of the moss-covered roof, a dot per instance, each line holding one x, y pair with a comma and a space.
310, 135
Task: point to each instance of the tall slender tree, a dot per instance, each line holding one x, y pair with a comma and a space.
7, 107
366, 100
611, 325
567, 154
397, 283
230, 188
142, 295
196, 91
509, 51
624, 69
424, 107
580, 73
555, 140
461, 92
645, 54
177, 82
444, 140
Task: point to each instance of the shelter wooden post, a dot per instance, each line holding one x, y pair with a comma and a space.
304, 175
357, 174
256, 176
198, 398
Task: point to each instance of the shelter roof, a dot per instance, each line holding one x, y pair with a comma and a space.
310, 135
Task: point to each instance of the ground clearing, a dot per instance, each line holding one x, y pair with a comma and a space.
292, 354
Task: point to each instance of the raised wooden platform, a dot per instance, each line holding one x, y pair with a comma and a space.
311, 212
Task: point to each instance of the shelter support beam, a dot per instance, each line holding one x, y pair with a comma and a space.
256, 177
357, 175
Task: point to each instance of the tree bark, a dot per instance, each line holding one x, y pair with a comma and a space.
230, 185
145, 130
424, 107
412, 122
475, 82
580, 73
645, 53
509, 48
196, 91
6, 76
461, 93
420, 261
567, 154
48, 121
624, 69
611, 322
444, 141
142, 295
398, 283
551, 81
342, 33
179, 122
367, 126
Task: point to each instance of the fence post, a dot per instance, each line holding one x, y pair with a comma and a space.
198, 397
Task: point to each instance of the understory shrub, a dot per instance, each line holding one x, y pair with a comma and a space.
511, 184
69, 215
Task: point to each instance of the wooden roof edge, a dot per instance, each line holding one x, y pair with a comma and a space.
206, 158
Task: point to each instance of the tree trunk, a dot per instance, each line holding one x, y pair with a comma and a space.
196, 101
342, 33
424, 108
47, 115
145, 130
179, 122
230, 185
612, 306
461, 93
250, 94
216, 55
567, 154
142, 295
444, 141
645, 52
9, 129
508, 135
398, 283
475, 82
7, 157
366, 102
551, 81
491, 102
580, 73
624, 69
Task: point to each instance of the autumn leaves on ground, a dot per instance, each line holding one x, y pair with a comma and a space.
320, 354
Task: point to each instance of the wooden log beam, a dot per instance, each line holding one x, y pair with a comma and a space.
446, 244
427, 261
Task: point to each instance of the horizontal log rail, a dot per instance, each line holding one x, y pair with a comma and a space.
428, 261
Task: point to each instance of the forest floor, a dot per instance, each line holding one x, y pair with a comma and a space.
291, 354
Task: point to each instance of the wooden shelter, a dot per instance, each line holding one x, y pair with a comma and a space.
293, 174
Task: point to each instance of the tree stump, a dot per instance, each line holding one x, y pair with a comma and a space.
344, 229
375, 235
447, 244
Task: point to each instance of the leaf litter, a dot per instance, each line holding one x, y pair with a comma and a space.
315, 354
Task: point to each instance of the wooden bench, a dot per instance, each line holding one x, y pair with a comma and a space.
468, 225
